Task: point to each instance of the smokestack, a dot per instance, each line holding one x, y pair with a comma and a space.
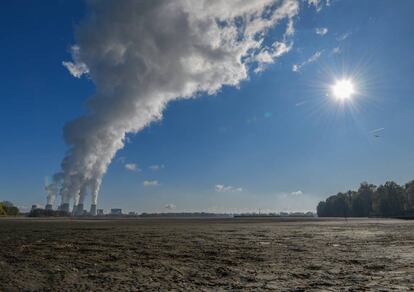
93, 210
49, 207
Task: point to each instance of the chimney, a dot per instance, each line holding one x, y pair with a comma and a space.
93, 210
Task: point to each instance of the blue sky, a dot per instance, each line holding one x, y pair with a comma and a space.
276, 143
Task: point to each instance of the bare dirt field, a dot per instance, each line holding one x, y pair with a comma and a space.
206, 255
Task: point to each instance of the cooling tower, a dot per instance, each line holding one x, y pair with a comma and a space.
49, 207
65, 207
79, 210
93, 210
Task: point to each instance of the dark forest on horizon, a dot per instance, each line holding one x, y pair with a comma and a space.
387, 200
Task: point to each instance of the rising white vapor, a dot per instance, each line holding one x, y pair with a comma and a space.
143, 54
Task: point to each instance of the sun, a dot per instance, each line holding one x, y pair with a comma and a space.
343, 89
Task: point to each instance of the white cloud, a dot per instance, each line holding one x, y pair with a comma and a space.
227, 189
150, 183
377, 130
343, 36
300, 103
290, 29
336, 50
313, 58
76, 68
321, 30
297, 193
268, 55
132, 167
295, 67
156, 167
170, 206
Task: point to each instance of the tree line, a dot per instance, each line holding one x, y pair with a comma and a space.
8, 209
387, 200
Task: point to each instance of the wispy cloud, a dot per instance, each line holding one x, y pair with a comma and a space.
343, 36
269, 55
156, 167
311, 59
377, 130
321, 31
150, 183
300, 103
227, 189
296, 193
287, 195
132, 167
336, 50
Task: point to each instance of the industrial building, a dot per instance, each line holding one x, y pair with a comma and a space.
116, 211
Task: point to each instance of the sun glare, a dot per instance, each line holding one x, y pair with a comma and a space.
343, 89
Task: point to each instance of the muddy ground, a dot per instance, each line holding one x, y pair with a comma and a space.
206, 255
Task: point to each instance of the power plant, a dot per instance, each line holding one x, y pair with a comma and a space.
137, 97
54, 189
78, 208
116, 211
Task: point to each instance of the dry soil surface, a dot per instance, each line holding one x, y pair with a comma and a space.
206, 255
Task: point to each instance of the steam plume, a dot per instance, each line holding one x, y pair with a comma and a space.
143, 54
52, 189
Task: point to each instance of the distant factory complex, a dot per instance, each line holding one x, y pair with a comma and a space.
77, 210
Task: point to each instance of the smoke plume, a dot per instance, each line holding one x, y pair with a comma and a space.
143, 54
